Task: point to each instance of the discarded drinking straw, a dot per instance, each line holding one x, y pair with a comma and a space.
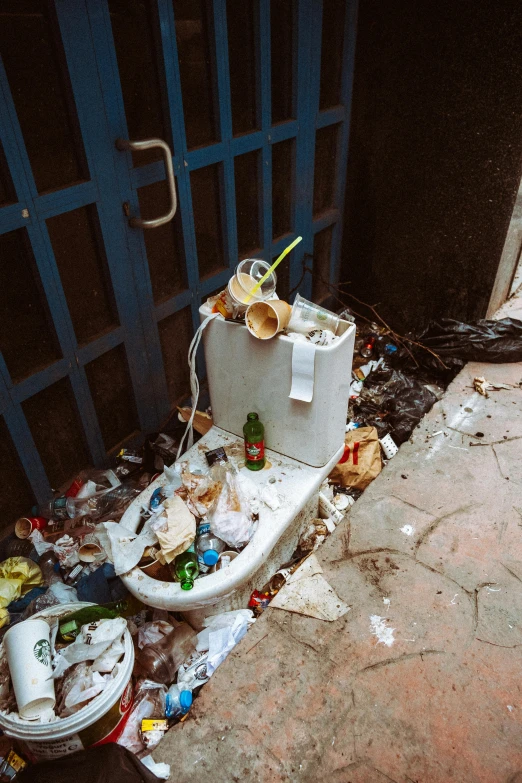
276, 262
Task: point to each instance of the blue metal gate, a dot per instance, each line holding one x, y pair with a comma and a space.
253, 98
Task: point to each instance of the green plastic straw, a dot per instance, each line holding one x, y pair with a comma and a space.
276, 263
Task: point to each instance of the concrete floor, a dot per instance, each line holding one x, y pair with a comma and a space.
305, 700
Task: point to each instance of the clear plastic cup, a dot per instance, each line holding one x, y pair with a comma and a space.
308, 315
248, 273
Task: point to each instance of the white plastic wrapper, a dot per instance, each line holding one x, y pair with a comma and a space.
86, 688
223, 640
92, 641
160, 769
270, 497
250, 492
65, 594
219, 621
108, 660
153, 632
126, 548
231, 518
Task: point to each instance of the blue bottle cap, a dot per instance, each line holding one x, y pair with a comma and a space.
185, 701
210, 557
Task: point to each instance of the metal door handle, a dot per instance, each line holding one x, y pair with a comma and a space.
147, 144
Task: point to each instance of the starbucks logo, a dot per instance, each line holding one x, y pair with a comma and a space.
42, 652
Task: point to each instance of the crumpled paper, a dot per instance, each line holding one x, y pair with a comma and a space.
125, 548
219, 621
180, 529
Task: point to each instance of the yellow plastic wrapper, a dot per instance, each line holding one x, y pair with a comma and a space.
18, 575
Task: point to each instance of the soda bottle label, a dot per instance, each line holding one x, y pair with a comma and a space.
255, 451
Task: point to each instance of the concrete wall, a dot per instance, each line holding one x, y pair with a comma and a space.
435, 154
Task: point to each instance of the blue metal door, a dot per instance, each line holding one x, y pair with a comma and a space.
253, 99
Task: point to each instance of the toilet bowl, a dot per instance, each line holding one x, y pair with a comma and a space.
273, 543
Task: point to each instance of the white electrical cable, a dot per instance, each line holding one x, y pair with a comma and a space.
194, 383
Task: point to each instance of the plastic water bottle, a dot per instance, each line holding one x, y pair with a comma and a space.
208, 546
178, 701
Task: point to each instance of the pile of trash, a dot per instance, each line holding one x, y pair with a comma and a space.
83, 659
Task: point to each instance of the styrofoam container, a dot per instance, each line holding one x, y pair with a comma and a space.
246, 374
100, 721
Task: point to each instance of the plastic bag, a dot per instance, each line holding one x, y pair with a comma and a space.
18, 575
202, 489
95, 765
394, 401
149, 702
231, 517
480, 341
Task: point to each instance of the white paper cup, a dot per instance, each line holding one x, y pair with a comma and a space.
90, 550
28, 650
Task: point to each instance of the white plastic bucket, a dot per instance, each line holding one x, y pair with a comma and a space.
99, 722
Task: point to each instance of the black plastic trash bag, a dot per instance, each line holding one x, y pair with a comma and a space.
394, 402
480, 341
109, 763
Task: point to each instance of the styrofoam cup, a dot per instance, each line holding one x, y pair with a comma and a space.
28, 650
266, 319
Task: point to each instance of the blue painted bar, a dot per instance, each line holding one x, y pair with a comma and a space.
175, 101
265, 91
210, 284
11, 218
331, 116
247, 142
283, 131
66, 199
27, 453
134, 253
171, 306
149, 174
83, 69
206, 156
306, 84
99, 346
325, 219
40, 380
346, 93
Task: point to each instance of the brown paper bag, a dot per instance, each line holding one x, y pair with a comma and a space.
361, 461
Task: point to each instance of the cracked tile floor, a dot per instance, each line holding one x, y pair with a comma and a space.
305, 700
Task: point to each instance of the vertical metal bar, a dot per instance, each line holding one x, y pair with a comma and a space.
25, 186
307, 103
27, 453
175, 104
107, 67
77, 41
264, 61
350, 32
219, 8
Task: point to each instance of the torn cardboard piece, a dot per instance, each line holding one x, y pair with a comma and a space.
307, 592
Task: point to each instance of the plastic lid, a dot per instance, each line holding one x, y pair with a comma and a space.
185, 701
210, 557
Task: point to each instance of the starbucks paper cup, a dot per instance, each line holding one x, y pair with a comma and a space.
266, 319
28, 652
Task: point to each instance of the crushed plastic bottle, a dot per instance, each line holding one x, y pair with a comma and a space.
208, 546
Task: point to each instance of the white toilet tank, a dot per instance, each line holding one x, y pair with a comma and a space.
246, 374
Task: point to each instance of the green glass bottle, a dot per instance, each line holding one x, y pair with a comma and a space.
186, 568
70, 625
254, 433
